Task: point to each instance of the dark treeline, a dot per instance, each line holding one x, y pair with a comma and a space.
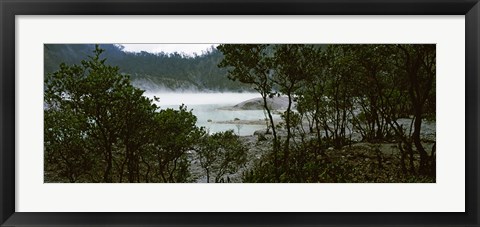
151, 71
339, 89
100, 128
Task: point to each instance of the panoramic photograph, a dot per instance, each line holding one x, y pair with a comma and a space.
239, 113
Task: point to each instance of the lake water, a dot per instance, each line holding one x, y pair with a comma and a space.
207, 108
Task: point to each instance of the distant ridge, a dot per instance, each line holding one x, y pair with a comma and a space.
151, 71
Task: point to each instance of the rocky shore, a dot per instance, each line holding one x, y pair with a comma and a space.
368, 156
274, 103
381, 159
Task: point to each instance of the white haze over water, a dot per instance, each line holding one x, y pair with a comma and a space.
207, 107
191, 98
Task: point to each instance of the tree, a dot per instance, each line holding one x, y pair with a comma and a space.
66, 153
89, 89
350, 87
135, 130
370, 68
290, 66
220, 154
99, 128
175, 135
149, 70
312, 100
252, 64
419, 65
95, 108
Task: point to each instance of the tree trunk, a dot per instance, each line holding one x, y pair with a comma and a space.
289, 133
208, 176
416, 140
107, 175
130, 165
275, 140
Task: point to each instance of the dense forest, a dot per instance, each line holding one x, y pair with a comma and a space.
152, 71
101, 128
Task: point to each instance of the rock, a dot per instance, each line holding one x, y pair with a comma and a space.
367, 159
261, 138
330, 149
275, 103
236, 119
262, 132
260, 135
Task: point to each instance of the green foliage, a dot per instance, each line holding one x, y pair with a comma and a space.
99, 128
175, 135
161, 70
96, 102
66, 156
252, 64
221, 154
339, 90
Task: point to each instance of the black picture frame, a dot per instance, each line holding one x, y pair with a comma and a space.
10, 8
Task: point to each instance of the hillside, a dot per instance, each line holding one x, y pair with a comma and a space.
151, 71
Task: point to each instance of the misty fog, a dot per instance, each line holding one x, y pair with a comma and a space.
212, 110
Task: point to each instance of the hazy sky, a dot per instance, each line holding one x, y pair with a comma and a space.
188, 49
